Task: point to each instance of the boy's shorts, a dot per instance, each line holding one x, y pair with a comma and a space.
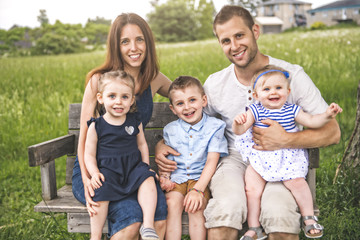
183, 188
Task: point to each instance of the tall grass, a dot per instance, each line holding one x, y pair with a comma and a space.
36, 91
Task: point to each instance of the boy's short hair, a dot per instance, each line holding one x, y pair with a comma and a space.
183, 82
228, 12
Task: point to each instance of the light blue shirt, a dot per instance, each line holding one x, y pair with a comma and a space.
194, 142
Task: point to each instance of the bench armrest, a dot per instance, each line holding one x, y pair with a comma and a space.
44, 154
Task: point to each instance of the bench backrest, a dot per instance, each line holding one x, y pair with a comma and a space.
161, 116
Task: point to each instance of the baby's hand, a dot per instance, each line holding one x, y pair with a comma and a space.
96, 180
166, 184
240, 119
333, 110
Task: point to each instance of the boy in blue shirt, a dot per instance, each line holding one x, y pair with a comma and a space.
200, 140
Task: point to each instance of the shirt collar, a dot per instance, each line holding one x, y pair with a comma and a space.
187, 127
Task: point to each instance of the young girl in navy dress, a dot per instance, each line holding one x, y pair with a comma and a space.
117, 155
271, 89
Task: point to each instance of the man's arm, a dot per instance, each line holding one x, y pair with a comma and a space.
275, 137
161, 151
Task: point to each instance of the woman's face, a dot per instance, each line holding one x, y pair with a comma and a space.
132, 46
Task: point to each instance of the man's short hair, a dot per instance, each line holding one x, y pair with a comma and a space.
229, 11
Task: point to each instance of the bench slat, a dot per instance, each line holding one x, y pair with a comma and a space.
45, 152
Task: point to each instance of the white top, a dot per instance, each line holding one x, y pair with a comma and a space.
227, 97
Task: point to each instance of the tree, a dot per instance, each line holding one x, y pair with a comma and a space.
42, 18
178, 20
248, 4
350, 163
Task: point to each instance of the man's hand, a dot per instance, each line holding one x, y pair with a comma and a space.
161, 151
166, 184
272, 138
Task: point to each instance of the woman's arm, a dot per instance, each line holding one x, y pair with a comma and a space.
160, 85
142, 145
87, 110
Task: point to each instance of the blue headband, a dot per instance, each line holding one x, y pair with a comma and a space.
272, 70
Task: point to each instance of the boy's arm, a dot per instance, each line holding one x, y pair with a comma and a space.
242, 122
208, 171
318, 120
142, 145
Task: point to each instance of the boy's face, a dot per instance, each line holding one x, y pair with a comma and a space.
188, 104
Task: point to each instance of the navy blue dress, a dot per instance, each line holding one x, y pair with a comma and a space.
119, 159
127, 211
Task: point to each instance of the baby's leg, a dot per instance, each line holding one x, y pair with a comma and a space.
254, 187
197, 228
97, 220
302, 194
175, 202
147, 197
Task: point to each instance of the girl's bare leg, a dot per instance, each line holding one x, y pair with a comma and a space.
302, 194
97, 221
254, 187
147, 197
175, 202
131, 232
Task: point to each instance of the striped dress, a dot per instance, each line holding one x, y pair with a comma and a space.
278, 165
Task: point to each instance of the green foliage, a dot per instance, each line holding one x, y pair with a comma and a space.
318, 26
42, 18
36, 92
178, 21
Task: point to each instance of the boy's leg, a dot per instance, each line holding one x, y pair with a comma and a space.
302, 194
254, 186
175, 202
147, 197
97, 220
197, 228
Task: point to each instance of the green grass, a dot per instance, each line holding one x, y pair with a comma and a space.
36, 91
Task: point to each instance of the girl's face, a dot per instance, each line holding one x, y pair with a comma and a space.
272, 90
117, 98
132, 46
188, 104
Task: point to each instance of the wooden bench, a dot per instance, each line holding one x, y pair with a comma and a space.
63, 201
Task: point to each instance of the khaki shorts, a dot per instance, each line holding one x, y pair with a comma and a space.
228, 206
183, 188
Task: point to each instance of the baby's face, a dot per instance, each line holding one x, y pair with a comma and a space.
272, 91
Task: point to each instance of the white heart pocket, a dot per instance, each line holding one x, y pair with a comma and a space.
129, 129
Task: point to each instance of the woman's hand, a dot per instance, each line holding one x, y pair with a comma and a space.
161, 151
89, 193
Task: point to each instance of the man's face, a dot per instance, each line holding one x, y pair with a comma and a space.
238, 41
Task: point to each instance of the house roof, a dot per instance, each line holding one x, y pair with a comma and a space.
269, 21
272, 2
337, 5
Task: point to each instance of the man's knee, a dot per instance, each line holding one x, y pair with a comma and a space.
283, 236
223, 233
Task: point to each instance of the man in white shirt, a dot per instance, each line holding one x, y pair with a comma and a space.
229, 92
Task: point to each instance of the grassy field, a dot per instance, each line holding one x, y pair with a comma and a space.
36, 91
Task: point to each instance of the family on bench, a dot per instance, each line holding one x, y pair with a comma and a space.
233, 153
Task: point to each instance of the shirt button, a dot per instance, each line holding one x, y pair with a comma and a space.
249, 91
188, 168
190, 136
188, 175
190, 154
250, 98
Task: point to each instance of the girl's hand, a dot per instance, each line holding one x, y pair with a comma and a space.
89, 193
193, 201
96, 180
240, 119
333, 110
166, 184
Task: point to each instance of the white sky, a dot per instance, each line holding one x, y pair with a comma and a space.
25, 12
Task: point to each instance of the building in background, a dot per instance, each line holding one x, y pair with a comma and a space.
335, 12
292, 13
